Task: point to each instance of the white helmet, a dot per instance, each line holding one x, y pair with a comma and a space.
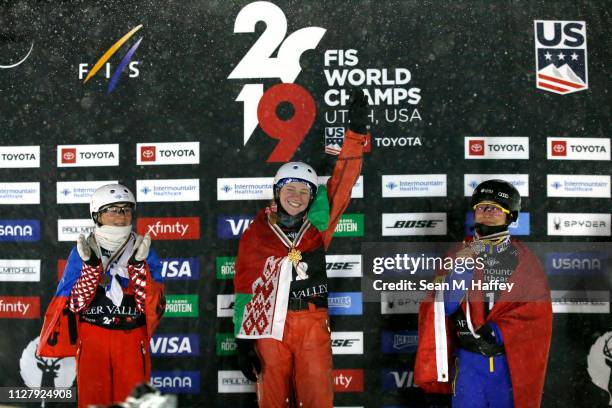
110, 194
296, 171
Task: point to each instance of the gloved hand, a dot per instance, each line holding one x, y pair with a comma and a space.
141, 249
248, 361
488, 342
88, 250
358, 112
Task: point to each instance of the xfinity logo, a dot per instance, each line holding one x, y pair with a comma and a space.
175, 345
170, 228
348, 380
578, 148
579, 224
18, 307
497, 147
343, 266
347, 342
232, 227
19, 230
402, 224
13, 157
148, 154
88, 155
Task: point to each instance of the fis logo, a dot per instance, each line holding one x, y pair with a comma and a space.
561, 56
180, 268
232, 227
175, 345
125, 62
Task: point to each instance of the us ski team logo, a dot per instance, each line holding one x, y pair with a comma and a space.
561, 56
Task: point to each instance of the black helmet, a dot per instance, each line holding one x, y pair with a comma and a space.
500, 192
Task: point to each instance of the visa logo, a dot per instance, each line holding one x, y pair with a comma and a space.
180, 268
170, 344
231, 227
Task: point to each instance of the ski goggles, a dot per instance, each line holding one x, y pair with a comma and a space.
490, 207
117, 211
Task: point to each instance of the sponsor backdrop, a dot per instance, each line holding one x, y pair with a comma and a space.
164, 97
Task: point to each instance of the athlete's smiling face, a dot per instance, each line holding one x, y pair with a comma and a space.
294, 197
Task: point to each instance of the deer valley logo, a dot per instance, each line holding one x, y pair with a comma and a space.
561, 56
45, 372
599, 363
21, 61
126, 61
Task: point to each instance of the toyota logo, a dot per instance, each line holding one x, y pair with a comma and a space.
68, 156
558, 148
476, 148
147, 154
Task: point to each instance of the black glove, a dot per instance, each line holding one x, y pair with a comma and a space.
487, 343
358, 112
247, 359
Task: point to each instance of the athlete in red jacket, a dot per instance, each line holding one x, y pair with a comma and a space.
500, 338
281, 320
107, 304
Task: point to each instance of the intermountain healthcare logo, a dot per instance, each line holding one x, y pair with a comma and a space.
519, 181
9, 66
561, 56
20, 193
124, 62
73, 192
168, 190
599, 363
46, 372
570, 185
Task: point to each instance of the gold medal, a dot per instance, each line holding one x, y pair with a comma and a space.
294, 256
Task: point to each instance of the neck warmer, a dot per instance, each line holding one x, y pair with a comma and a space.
111, 237
483, 230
